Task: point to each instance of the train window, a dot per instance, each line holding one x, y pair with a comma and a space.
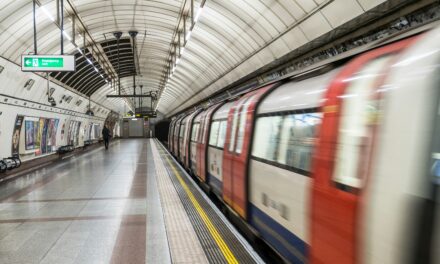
176, 129
213, 137
195, 132
235, 121
267, 137
204, 129
182, 130
222, 134
234, 128
359, 112
242, 124
298, 138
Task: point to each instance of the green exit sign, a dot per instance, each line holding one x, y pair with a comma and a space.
44, 63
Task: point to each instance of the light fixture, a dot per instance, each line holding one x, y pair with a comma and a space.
182, 49
188, 35
47, 13
29, 83
67, 35
199, 12
89, 109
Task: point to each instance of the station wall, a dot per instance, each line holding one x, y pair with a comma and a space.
63, 124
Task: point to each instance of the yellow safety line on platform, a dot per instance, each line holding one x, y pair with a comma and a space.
214, 233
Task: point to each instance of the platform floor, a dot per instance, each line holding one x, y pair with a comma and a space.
130, 204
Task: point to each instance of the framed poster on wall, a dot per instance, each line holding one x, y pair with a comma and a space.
29, 135
16, 135
49, 135
44, 136
54, 134
63, 127
70, 133
77, 131
39, 134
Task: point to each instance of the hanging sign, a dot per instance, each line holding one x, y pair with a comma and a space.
47, 63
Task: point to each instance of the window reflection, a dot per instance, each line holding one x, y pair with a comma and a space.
287, 139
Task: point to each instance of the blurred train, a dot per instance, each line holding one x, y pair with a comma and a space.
336, 166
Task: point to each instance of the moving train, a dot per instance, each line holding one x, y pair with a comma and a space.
341, 165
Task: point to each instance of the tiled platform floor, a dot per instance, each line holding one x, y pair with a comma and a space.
115, 206
87, 209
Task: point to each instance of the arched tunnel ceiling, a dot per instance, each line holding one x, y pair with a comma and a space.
231, 39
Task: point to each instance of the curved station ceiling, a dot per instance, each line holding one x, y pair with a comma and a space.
184, 50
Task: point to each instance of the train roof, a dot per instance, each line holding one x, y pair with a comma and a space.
295, 95
222, 112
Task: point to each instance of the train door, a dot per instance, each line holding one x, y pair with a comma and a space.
342, 160
195, 142
182, 136
236, 150
202, 146
199, 170
186, 159
176, 137
170, 135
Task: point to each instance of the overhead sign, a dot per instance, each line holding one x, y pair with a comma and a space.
146, 115
47, 63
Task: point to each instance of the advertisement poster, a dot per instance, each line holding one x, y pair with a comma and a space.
54, 134
37, 138
69, 133
62, 131
39, 134
44, 135
89, 133
16, 135
77, 131
29, 134
97, 130
49, 135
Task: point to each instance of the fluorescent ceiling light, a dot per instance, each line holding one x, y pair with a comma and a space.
47, 13
67, 35
188, 35
199, 12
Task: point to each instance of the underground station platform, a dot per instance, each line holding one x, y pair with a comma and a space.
130, 204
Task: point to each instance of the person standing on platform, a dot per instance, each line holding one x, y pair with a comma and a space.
106, 136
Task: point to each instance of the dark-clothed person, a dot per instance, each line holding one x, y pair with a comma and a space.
106, 136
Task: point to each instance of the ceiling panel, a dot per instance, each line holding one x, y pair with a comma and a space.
231, 39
